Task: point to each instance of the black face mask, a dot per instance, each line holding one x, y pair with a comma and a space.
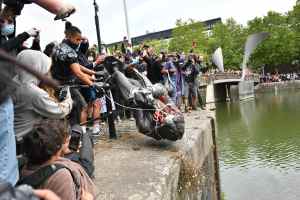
72, 45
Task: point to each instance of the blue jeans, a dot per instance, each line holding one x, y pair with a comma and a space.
8, 160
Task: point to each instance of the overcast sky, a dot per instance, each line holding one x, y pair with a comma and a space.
144, 15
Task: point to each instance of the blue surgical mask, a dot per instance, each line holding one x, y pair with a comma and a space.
7, 29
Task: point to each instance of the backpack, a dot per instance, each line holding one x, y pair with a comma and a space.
39, 177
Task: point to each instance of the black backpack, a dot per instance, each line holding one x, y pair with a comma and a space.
39, 177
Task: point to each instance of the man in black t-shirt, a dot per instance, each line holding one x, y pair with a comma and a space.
66, 69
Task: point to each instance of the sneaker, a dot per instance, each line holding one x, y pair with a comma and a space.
97, 131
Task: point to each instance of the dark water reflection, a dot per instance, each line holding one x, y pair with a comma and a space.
259, 144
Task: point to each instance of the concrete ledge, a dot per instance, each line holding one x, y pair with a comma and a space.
136, 167
270, 87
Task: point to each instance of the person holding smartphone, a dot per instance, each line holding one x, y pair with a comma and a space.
78, 148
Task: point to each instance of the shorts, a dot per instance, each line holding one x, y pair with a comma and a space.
89, 94
190, 89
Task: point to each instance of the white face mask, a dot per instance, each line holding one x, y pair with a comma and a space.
91, 59
7, 29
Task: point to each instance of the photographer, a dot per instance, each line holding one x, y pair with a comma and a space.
31, 102
83, 154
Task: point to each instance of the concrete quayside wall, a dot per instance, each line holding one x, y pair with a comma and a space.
222, 92
136, 167
277, 86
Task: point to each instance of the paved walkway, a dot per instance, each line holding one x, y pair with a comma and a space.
136, 167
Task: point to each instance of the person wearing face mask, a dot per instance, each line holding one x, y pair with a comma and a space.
89, 94
9, 42
67, 69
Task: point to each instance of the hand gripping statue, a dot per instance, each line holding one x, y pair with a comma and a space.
155, 114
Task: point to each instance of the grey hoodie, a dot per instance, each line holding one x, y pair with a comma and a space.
32, 103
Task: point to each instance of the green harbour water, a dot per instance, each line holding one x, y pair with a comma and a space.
259, 147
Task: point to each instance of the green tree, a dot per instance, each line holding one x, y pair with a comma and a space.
188, 35
280, 48
158, 45
294, 21
230, 36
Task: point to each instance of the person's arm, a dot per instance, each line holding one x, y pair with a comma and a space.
36, 45
164, 69
14, 43
48, 107
46, 195
85, 78
87, 71
146, 58
87, 155
84, 46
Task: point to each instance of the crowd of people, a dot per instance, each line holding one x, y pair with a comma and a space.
178, 72
44, 138
277, 77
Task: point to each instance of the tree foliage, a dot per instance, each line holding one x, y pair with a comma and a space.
188, 35
158, 45
282, 48
230, 36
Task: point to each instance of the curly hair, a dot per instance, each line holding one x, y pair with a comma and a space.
45, 140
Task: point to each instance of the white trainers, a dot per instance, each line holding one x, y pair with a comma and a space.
97, 130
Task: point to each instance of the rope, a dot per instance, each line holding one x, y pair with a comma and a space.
137, 109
